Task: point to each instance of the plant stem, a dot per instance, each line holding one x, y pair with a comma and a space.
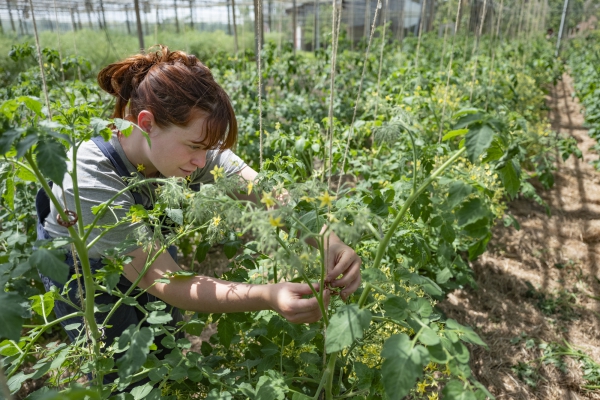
4, 384
386, 239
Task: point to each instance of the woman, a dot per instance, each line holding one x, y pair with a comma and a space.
191, 125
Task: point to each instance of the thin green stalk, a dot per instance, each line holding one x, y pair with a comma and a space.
43, 328
4, 384
386, 240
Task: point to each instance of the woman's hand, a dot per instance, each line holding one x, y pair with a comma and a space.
286, 299
342, 260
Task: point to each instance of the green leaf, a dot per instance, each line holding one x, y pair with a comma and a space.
123, 126
159, 317
33, 104
454, 133
11, 320
139, 347
428, 336
465, 111
437, 354
443, 276
202, 250
455, 390
457, 192
271, 386
346, 326
176, 214
471, 211
6, 140
9, 193
216, 395
52, 160
420, 306
477, 248
478, 140
51, 264
194, 327
403, 365
231, 248
448, 234
225, 331
100, 127
43, 304
395, 308
25, 144
25, 174
141, 392
511, 177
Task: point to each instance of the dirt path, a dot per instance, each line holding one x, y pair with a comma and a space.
537, 285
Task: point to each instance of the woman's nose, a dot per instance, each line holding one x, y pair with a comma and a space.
199, 159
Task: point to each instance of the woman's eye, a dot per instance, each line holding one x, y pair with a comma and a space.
194, 147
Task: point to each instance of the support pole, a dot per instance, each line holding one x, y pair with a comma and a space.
317, 36
12, 21
73, 23
138, 19
235, 35
228, 19
294, 25
562, 27
176, 16
103, 16
127, 19
258, 28
192, 14
89, 7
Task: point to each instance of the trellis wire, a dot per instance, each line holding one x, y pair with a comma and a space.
449, 71
362, 77
40, 62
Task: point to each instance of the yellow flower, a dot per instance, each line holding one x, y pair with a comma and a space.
216, 220
326, 199
307, 199
432, 396
135, 218
268, 200
277, 126
188, 178
140, 167
408, 108
447, 371
218, 172
421, 387
275, 222
431, 367
250, 186
388, 98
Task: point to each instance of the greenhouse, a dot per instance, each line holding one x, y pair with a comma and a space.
267, 199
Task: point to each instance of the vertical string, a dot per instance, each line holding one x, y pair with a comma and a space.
476, 48
40, 62
362, 77
423, 5
258, 59
62, 71
385, 12
449, 71
490, 78
335, 24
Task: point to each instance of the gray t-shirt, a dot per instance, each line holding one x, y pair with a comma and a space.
99, 181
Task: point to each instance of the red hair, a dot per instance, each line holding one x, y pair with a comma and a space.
171, 84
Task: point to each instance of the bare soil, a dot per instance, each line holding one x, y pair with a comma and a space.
541, 282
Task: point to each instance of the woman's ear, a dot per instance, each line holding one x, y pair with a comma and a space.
145, 121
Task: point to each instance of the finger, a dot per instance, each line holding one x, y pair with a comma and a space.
345, 261
305, 317
326, 298
349, 276
351, 288
304, 305
303, 289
